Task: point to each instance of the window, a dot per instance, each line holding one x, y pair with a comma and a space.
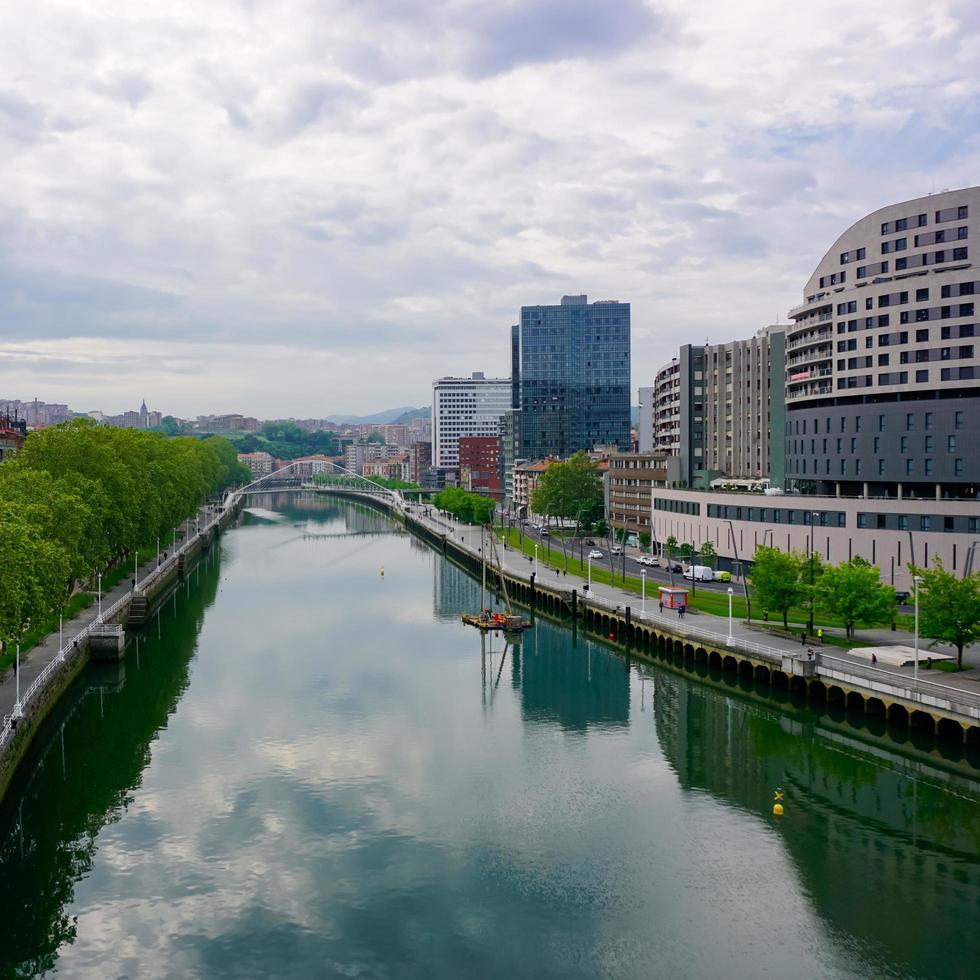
922, 376
921, 295
925, 522
886, 227
922, 336
901, 224
962, 232
962, 212
951, 444
909, 422
876, 444
923, 220
857, 467
957, 420
903, 522
881, 467
882, 361
928, 444
928, 420
904, 444
957, 467
853, 444
857, 423
928, 468
881, 423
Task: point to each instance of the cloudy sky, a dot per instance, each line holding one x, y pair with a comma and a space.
296, 207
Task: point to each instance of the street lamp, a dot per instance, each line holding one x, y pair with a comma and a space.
643, 592
535, 559
590, 572
813, 516
917, 581
731, 592
136, 570
100, 597
18, 710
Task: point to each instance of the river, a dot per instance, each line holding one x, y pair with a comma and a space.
307, 768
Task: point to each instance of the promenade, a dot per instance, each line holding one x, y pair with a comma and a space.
694, 624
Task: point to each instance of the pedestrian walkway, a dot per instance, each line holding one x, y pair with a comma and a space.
38, 657
749, 635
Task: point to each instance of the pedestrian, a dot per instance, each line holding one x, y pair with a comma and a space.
680, 612
661, 607
874, 660
803, 639
765, 617
820, 634
809, 653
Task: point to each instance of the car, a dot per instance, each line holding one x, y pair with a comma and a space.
594, 553
723, 576
617, 550
544, 532
589, 542
675, 566
902, 597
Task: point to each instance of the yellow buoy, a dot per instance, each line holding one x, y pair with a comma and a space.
382, 571
777, 807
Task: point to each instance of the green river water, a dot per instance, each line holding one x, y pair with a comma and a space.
304, 768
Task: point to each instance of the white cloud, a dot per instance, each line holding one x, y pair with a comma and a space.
372, 190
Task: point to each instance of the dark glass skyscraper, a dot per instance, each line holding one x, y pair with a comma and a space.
574, 376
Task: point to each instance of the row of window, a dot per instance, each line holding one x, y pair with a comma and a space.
678, 506
960, 213
855, 467
799, 426
798, 446
935, 313
932, 238
919, 522
837, 518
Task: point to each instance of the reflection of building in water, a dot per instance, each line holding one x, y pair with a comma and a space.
362, 519
453, 591
871, 832
576, 686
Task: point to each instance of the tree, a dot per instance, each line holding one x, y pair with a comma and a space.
708, 555
949, 607
645, 540
853, 592
776, 581
686, 551
601, 527
570, 490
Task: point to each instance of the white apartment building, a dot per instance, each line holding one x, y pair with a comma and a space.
465, 407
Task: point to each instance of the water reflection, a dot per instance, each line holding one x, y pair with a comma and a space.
297, 772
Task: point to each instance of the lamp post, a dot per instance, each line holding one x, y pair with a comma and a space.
158, 551
731, 592
917, 581
100, 597
643, 591
136, 570
535, 559
18, 710
813, 516
590, 572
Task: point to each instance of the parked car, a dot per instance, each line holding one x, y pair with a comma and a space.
544, 532
699, 573
617, 550
723, 576
675, 566
902, 597
589, 542
596, 554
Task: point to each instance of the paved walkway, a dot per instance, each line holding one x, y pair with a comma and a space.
39, 656
520, 564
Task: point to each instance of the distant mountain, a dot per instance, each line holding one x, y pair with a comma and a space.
391, 416
415, 413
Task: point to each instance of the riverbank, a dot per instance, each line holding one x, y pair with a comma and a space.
48, 669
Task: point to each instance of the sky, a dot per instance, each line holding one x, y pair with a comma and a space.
289, 209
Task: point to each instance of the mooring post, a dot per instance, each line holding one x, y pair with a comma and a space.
574, 604
534, 593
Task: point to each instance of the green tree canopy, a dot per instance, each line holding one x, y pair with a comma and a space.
853, 592
949, 607
776, 581
570, 490
707, 554
470, 507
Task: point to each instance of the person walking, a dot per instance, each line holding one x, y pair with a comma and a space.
803, 638
874, 660
661, 607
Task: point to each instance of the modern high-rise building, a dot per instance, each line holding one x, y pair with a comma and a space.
883, 373
465, 407
574, 376
716, 410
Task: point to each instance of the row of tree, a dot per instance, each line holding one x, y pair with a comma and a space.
473, 508
79, 497
852, 591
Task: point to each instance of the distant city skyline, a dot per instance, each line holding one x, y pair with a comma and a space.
218, 208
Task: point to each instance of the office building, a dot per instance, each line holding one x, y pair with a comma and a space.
883, 373
465, 407
479, 465
574, 384
678, 415
631, 480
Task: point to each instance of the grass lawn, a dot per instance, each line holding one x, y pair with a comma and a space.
705, 601
947, 665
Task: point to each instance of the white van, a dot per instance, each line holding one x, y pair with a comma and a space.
699, 573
